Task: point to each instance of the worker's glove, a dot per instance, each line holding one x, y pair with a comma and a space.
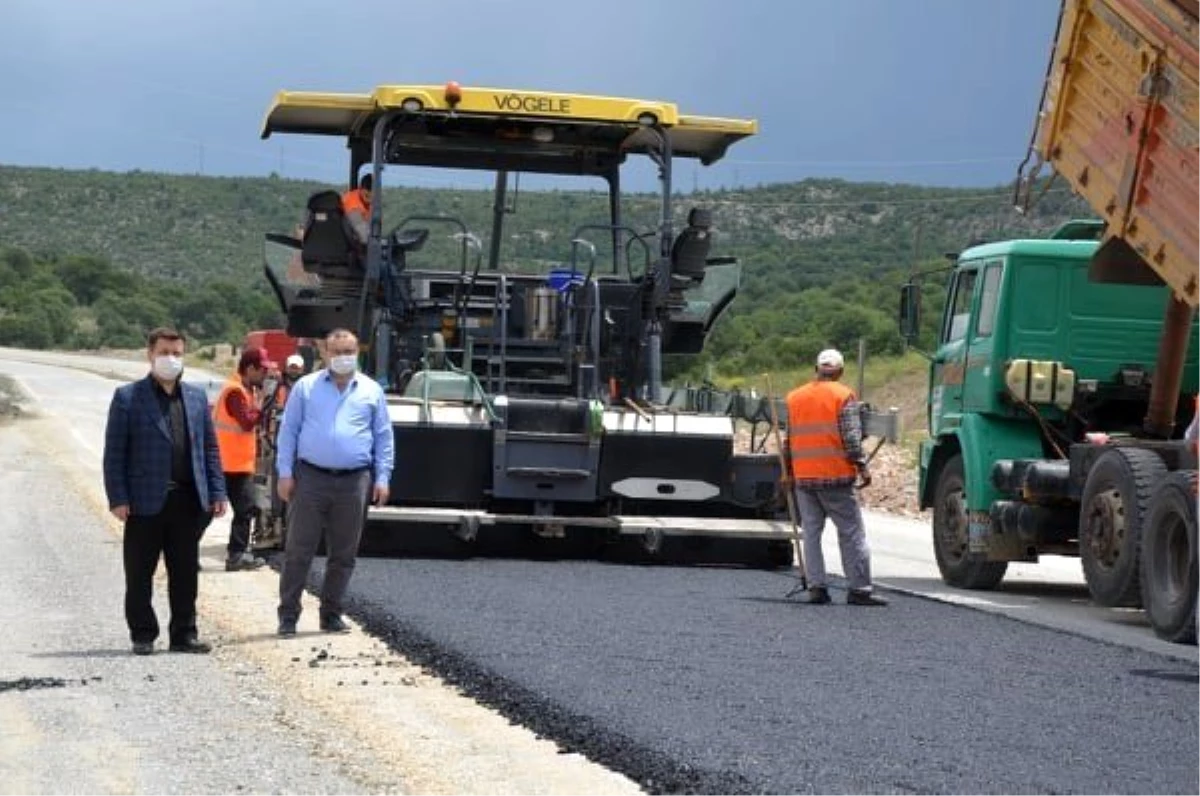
864, 477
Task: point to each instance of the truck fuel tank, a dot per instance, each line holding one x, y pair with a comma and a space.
1034, 480
1035, 525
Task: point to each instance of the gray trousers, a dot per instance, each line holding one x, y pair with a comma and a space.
333, 506
839, 504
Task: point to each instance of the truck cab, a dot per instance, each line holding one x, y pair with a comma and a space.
1036, 369
1065, 369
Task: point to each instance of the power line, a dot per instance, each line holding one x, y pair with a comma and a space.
873, 201
874, 163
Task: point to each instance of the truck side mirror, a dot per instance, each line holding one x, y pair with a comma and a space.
910, 311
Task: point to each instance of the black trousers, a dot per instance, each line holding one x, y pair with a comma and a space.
240, 487
173, 534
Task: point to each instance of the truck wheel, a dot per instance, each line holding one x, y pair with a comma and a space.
950, 534
1169, 559
1112, 513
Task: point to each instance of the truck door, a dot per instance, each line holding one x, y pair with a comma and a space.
981, 372
950, 361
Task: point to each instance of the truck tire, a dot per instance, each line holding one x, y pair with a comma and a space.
1169, 579
950, 534
1112, 513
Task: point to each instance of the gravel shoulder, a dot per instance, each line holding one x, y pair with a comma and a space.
314, 714
12, 399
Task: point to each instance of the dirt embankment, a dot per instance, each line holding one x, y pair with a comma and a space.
893, 483
893, 466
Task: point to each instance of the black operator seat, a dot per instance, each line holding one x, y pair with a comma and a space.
689, 253
328, 243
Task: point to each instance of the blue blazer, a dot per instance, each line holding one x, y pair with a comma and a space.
137, 449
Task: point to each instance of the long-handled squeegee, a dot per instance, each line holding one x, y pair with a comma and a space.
789, 486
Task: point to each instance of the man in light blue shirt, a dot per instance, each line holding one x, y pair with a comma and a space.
335, 447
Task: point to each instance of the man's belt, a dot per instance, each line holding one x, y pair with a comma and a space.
332, 471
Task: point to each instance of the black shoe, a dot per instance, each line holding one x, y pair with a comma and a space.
244, 561
190, 645
818, 595
334, 624
143, 648
864, 598
287, 628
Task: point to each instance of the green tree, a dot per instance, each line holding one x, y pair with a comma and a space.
56, 305
26, 330
123, 321
88, 277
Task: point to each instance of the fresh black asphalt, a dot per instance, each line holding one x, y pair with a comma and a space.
705, 680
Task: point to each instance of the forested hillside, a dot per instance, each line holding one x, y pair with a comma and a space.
86, 302
92, 257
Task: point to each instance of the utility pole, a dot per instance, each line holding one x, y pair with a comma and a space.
917, 247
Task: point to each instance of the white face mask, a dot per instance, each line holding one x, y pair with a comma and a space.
343, 365
168, 368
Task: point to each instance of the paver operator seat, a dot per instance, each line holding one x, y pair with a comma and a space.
689, 253
328, 249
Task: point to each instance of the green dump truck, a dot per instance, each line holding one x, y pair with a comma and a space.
1065, 369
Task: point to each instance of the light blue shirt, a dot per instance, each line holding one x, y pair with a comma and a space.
336, 429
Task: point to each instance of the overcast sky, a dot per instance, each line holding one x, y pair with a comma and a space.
938, 92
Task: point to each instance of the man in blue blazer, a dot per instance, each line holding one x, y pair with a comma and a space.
162, 473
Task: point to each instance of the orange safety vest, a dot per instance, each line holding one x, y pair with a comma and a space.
238, 447
352, 202
814, 439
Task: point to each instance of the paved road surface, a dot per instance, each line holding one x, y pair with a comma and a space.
705, 680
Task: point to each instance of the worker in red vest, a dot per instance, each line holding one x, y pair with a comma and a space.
826, 459
236, 415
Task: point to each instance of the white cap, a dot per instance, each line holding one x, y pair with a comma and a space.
294, 359
830, 359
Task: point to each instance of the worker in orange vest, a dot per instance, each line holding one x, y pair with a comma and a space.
293, 369
356, 207
826, 459
236, 415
